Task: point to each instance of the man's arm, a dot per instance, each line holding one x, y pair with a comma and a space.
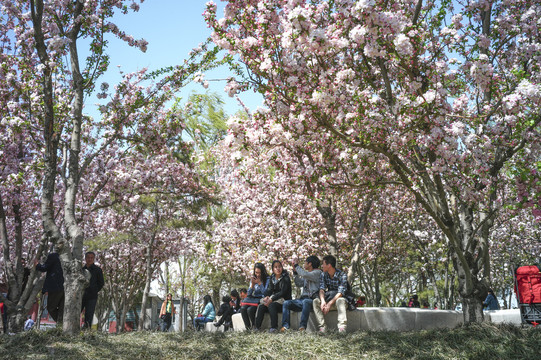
342, 288
336, 297
343, 285
51, 259
322, 288
308, 275
101, 282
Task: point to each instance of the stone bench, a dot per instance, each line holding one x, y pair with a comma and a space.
211, 328
376, 319
509, 316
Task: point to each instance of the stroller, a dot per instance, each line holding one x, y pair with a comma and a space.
528, 290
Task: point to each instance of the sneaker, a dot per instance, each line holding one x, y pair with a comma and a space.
216, 324
302, 329
273, 330
284, 329
322, 330
342, 329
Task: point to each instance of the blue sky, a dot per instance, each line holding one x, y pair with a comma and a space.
172, 28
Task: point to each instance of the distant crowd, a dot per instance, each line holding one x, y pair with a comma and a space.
323, 289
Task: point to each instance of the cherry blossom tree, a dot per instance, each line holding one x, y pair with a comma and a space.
41, 50
446, 94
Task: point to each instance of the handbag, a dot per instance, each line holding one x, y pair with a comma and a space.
250, 301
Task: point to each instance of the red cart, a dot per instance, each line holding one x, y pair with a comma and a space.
528, 290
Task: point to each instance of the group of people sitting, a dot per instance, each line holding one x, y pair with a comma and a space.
322, 290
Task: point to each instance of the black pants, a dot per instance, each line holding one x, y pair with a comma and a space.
248, 315
226, 317
273, 309
166, 324
89, 305
55, 305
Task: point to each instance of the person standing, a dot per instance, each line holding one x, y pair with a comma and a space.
53, 285
308, 277
90, 297
333, 285
167, 312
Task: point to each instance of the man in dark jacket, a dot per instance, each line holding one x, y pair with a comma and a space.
53, 286
90, 297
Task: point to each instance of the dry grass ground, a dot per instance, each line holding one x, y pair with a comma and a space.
472, 342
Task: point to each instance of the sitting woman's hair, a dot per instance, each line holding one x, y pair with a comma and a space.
207, 299
226, 299
264, 274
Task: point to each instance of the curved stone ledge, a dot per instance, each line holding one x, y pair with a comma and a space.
377, 319
392, 319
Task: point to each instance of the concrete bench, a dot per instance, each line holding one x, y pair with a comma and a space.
238, 323
376, 319
211, 328
509, 316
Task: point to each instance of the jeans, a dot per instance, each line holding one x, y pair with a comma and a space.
199, 322
304, 305
166, 324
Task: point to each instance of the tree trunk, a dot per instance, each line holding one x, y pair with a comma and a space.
148, 272
437, 295
21, 296
360, 230
118, 317
473, 310
70, 253
123, 317
329, 217
148, 277
377, 293
74, 283
40, 311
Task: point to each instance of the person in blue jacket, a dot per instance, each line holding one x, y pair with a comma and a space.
491, 303
256, 292
208, 314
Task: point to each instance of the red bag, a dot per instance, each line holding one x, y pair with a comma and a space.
528, 284
250, 302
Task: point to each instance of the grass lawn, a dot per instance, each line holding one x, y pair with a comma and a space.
477, 342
